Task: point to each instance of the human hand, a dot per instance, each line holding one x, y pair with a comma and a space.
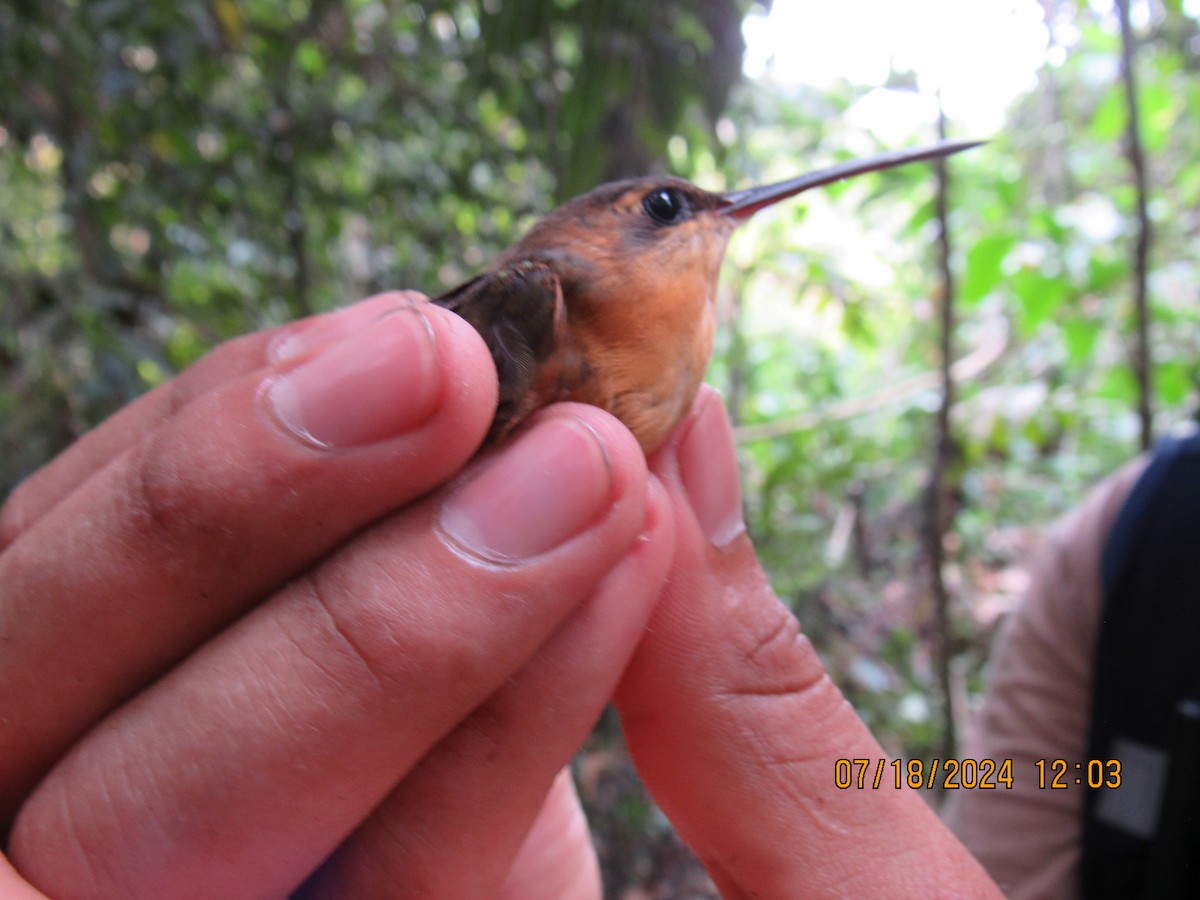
735, 726
251, 627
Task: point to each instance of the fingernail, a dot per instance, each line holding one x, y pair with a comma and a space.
709, 472
536, 494
336, 325
381, 381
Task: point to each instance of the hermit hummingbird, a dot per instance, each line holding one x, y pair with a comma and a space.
611, 298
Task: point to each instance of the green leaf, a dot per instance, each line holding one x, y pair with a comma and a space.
1118, 384
1160, 106
1080, 336
1108, 122
310, 58
1104, 273
1041, 297
1174, 382
985, 266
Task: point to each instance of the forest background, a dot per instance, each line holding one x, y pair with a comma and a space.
925, 366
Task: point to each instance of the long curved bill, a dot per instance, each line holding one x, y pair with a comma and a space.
745, 203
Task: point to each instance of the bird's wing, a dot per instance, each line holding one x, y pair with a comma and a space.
519, 312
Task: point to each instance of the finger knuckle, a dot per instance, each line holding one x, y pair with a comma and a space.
394, 630
777, 657
170, 500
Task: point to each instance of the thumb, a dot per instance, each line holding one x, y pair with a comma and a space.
736, 728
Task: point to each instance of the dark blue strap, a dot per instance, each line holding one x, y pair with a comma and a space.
1122, 540
1147, 666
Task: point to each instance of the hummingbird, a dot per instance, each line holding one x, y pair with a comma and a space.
611, 298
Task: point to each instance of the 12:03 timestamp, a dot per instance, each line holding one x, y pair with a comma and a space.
1059, 774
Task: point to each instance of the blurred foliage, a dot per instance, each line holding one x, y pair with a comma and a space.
831, 324
174, 174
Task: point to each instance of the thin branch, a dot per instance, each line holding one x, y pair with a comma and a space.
939, 512
964, 369
1142, 367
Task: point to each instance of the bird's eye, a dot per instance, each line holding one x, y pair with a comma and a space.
665, 205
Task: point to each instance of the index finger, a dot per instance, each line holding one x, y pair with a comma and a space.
45, 488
